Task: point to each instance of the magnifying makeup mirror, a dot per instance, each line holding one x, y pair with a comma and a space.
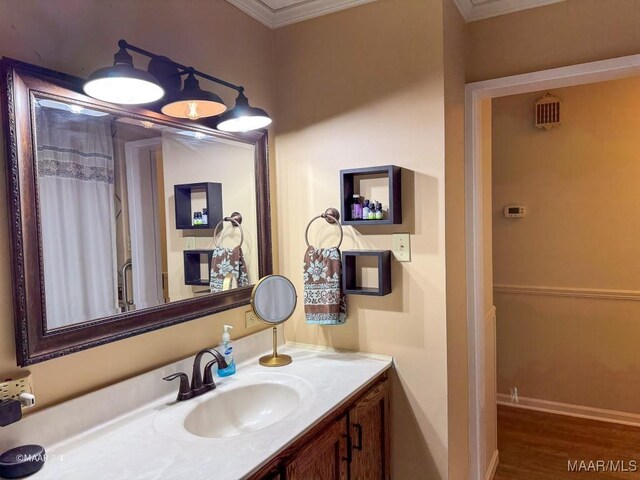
273, 301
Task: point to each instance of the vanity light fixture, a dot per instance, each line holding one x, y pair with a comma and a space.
193, 102
243, 117
124, 84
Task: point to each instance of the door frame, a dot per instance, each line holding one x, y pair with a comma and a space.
139, 151
475, 93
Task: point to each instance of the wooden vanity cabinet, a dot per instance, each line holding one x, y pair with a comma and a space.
350, 443
369, 431
322, 458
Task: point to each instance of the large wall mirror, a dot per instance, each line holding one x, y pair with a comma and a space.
124, 220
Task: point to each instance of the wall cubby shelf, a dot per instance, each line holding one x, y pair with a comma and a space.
350, 180
184, 208
192, 267
350, 269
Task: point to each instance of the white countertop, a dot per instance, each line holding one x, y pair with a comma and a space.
151, 442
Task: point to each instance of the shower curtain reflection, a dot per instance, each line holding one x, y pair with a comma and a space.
76, 196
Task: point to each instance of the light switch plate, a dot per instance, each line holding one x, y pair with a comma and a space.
402, 247
189, 243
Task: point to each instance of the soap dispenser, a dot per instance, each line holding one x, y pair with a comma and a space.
227, 351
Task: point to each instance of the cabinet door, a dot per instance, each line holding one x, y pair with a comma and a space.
369, 430
323, 458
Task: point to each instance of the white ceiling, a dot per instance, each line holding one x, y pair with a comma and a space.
276, 13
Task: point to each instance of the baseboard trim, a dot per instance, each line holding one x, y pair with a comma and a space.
596, 293
493, 466
580, 411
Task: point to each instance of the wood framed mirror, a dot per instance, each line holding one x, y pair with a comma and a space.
113, 213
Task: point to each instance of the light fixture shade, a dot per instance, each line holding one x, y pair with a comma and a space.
193, 102
243, 117
122, 83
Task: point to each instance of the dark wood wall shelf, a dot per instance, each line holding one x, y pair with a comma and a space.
192, 267
184, 209
350, 267
350, 178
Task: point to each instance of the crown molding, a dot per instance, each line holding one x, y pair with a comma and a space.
274, 18
471, 10
492, 8
257, 10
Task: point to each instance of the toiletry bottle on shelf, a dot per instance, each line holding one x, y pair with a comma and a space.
194, 222
372, 211
379, 214
205, 216
356, 207
366, 210
227, 351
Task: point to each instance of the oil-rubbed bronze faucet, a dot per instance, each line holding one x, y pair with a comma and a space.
198, 386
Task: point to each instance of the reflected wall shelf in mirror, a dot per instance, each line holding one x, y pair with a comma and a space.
185, 200
193, 263
99, 178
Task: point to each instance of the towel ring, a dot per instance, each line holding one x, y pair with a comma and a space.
331, 215
235, 219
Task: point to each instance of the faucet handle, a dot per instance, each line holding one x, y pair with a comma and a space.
208, 382
184, 393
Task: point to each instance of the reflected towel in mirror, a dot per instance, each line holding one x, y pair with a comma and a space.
225, 262
324, 299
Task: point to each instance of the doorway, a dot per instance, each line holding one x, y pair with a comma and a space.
146, 216
484, 455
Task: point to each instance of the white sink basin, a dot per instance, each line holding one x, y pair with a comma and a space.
242, 410
241, 405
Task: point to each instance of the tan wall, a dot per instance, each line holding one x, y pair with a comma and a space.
566, 33
580, 183
454, 46
78, 36
359, 88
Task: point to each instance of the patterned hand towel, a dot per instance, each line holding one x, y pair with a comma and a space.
227, 262
324, 300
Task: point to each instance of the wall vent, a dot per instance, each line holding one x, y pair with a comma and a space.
548, 112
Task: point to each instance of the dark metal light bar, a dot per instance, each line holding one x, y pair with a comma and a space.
184, 69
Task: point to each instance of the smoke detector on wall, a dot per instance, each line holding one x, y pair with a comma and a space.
548, 112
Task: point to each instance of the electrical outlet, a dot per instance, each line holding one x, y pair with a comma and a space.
250, 319
189, 243
402, 247
12, 387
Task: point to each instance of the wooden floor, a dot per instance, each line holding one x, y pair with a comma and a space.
538, 446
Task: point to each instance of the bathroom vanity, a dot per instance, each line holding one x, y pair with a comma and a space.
324, 416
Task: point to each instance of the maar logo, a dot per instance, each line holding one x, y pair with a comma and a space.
602, 466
